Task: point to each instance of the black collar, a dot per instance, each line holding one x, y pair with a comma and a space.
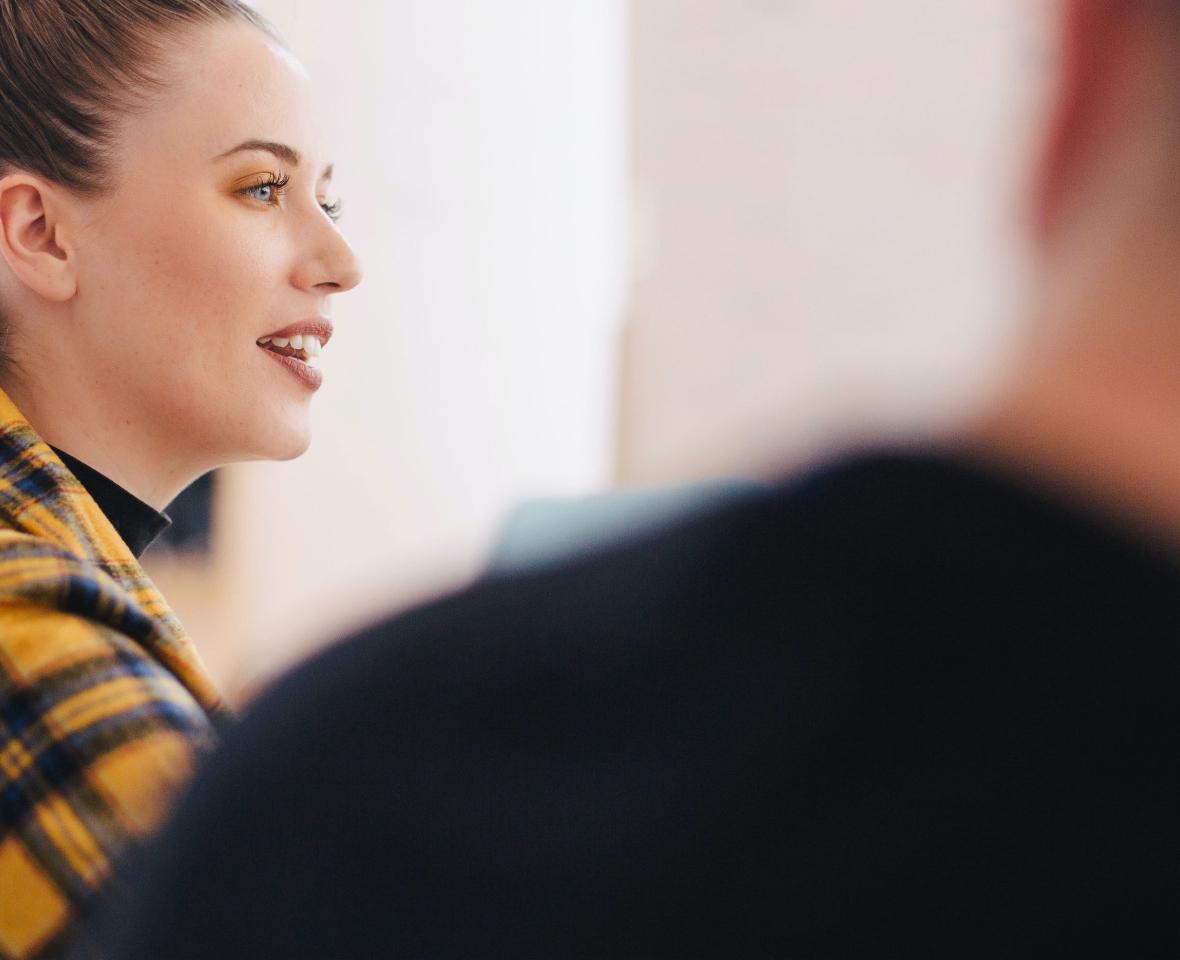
136, 522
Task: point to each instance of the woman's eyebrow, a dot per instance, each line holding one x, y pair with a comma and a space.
281, 150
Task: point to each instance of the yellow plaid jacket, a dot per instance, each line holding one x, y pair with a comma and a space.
104, 704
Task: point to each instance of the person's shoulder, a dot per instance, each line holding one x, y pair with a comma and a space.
953, 511
100, 735
863, 549
831, 542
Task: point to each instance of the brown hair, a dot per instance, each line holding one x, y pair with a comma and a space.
69, 68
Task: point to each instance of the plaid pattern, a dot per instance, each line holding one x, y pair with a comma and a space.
104, 704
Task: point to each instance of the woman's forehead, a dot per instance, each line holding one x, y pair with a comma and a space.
229, 84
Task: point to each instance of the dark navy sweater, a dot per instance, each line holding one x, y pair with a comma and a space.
902, 706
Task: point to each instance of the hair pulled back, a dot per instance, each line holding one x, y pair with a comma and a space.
70, 68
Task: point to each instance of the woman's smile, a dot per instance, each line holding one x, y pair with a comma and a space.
297, 347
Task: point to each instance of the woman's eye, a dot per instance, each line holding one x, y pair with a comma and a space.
267, 192
271, 191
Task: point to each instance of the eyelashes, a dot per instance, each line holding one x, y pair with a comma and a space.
332, 209
274, 185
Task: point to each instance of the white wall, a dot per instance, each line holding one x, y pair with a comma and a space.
480, 153
826, 197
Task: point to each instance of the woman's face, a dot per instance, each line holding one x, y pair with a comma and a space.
218, 233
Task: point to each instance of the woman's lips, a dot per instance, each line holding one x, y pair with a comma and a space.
309, 377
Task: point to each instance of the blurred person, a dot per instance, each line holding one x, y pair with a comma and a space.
167, 254
919, 701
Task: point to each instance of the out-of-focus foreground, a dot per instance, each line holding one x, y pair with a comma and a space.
614, 243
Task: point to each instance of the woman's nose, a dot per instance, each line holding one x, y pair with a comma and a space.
348, 272
331, 265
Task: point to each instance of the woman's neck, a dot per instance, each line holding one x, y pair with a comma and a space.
125, 452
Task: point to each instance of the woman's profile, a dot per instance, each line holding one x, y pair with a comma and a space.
168, 250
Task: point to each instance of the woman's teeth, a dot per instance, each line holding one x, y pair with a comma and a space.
301, 346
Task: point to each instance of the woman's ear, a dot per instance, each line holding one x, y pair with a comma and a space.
34, 240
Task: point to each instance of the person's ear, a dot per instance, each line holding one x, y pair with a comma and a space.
34, 240
1099, 61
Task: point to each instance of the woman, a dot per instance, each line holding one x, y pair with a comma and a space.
167, 254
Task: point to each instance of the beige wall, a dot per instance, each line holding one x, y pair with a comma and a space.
824, 195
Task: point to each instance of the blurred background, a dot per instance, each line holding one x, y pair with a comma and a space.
616, 245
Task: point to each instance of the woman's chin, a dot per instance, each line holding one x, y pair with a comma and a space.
295, 446
286, 443
258, 428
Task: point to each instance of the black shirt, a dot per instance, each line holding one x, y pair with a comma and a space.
904, 707
137, 523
